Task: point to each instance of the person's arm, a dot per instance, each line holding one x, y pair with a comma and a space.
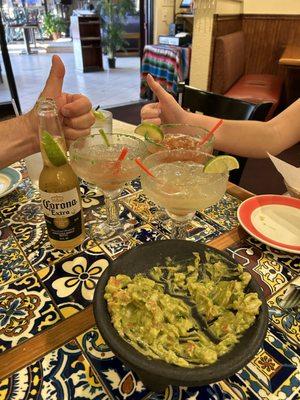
17, 140
253, 138
244, 138
19, 136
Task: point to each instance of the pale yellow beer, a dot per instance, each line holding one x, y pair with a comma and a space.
58, 184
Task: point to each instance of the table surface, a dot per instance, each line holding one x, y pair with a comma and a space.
50, 347
291, 56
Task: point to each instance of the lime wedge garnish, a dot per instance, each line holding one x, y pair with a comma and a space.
150, 132
150, 140
104, 136
98, 114
216, 165
56, 155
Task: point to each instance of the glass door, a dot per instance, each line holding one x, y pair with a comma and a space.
8, 89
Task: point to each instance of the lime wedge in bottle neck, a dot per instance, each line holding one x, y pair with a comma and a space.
53, 150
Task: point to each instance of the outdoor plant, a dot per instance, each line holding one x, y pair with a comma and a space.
53, 25
113, 16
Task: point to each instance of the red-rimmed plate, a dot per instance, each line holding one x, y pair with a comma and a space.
273, 220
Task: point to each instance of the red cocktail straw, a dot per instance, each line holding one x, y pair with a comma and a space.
210, 133
167, 187
144, 168
122, 156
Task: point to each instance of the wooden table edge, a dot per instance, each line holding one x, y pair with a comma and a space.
289, 62
38, 346
291, 56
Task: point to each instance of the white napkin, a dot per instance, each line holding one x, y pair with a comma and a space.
290, 173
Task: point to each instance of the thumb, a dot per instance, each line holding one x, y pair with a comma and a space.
157, 89
54, 84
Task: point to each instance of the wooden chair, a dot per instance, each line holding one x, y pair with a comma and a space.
216, 105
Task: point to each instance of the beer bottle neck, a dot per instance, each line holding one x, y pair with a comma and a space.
50, 124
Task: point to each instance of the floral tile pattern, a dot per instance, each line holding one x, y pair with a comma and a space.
291, 261
91, 196
222, 215
119, 244
286, 320
141, 206
273, 373
146, 233
214, 391
62, 374
128, 219
270, 274
119, 381
21, 194
283, 337
27, 214
122, 383
38, 249
72, 281
134, 186
25, 310
13, 264
126, 191
200, 229
34, 241
224, 212
93, 206
5, 231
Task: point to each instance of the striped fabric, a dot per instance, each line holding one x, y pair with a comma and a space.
167, 64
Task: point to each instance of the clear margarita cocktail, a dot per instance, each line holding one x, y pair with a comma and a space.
108, 163
181, 186
103, 120
177, 136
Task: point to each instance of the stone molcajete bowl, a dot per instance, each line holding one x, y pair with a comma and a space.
157, 375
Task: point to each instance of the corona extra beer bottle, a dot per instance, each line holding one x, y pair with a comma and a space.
58, 184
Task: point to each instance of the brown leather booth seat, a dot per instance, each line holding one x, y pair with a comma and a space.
229, 76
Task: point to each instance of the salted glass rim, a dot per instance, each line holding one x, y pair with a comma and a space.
219, 176
73, 151
190, 126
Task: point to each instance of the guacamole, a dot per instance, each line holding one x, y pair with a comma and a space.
185, 314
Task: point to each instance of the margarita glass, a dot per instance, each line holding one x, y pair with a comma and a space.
105, 122
94, 158
181, 186
181, 136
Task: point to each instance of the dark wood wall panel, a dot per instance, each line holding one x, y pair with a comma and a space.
266, 38
223, 25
